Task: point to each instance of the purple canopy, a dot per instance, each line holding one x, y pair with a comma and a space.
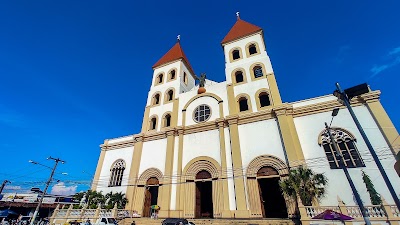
331, 215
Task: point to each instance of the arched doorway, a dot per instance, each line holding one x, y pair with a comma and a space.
204, 201
150, 195
273, 204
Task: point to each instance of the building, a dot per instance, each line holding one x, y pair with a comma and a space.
221, 153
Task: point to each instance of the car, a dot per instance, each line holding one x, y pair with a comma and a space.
176, 221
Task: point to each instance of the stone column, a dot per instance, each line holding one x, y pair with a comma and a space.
133, 173
179, 188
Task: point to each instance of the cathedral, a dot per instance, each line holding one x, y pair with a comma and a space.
219, 149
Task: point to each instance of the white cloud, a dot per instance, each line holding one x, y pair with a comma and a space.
394, 60
61, 189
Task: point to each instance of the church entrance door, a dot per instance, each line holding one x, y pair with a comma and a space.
273, 203
150, 196
204, 202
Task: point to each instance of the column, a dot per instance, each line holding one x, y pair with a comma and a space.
133, 173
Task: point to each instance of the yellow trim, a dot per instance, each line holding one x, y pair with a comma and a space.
131, 191
253, 78
169, 74
231, 54
145, 121
100, 162
166, 95
216, 97
248, 50
258, 103
179, 199
149, 173
321, 134
383, 121
273, 87
237, 168
233, 110
175, 111
250, 107
156, 81
233, 76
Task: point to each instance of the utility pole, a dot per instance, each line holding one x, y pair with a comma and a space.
346, 172
57, 160
3, 185
358, 90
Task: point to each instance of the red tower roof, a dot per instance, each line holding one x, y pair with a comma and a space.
240, 29
173, 54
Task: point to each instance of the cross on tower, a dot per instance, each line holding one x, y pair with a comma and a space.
178, 37
237, 15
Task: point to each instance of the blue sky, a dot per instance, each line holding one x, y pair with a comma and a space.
74, 73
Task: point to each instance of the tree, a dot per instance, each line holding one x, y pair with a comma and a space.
373, 194
115, 198
303, 183
93, 199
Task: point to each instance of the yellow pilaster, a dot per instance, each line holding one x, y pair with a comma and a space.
179, 187
289, 134
145, 122
273, 87
134, 172
225, 208
96, 177
231, 100
166, 188
241, 205
383, 121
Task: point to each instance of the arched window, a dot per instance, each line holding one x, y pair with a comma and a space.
172, 74
346, 144
156, 99
153, 123
239, 76
252, 49
235, 54
170, 95
258, 72
243, 105
117, 172
167, 120
160, 78
264, 99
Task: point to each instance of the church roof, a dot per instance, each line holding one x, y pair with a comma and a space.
173, 54
240, 29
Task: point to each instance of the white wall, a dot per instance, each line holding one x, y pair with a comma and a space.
210, 101
153, 155
309, 128
110, 157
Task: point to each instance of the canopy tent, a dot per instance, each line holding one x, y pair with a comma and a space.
7, 212
332, 215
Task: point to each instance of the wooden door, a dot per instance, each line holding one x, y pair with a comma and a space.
147, 203
261, 199
198, 201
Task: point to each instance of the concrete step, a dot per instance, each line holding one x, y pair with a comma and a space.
148, 221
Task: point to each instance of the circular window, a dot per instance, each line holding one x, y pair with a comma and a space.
202, 113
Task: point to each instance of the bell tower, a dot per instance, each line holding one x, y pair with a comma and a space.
248, 69
172, 75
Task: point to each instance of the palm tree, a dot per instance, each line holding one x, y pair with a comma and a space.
303, 183
116, 198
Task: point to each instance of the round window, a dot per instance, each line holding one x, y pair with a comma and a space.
202, 113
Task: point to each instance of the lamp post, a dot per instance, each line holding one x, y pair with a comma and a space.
339, 157
344, 96
57, 160
3, 185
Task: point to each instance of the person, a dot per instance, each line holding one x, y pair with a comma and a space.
88, 222
5, 221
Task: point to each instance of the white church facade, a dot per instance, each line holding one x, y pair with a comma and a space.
220, 152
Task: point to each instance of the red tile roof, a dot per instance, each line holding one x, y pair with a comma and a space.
240, 29
173, 54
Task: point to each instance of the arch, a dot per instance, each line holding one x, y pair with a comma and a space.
258, 100
164, 119
240, 98
212, 95
248, 46
199, 164
117, 171
172, 74
252, 67
153, 122
231, 59
234, 78
323, 132
167, 97
149, 173
266, 160
159, 79
156, 100
185, 78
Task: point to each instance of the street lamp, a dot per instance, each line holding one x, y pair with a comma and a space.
339, 157
344, 97
57, 160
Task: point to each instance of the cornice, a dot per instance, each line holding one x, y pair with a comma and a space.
283, 109
372, 96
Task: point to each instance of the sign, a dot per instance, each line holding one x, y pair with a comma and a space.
48, 200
